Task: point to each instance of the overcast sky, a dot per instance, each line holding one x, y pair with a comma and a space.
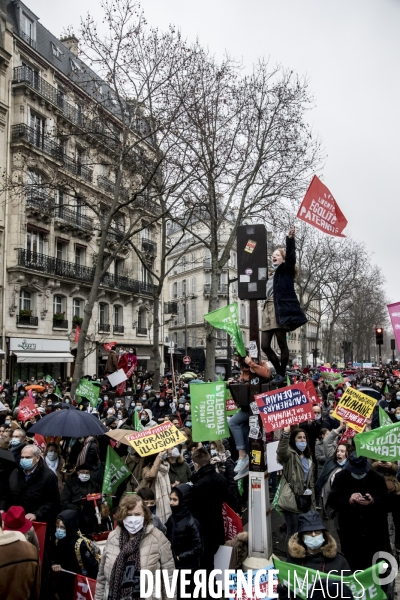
350, 51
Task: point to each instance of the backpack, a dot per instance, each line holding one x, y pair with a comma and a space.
92, 548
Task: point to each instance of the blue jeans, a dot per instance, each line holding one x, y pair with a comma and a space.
239, 426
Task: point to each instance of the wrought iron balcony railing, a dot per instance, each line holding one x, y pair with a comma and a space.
171, 308
39, 200
74, 217
222, 289
58, 324
141, 330
118, 329
149, 246
104, 328
62, 268
27, 39
24, 320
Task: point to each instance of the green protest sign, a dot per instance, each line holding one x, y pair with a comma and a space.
227, 318
384, 419
331, 378
302, 580
87, 389
115, 472
382, 443
208, 412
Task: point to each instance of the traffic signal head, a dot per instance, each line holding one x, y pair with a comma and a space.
379, 335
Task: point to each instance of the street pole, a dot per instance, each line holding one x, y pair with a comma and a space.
228, 337
186, 344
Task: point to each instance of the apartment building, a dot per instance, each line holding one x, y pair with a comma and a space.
59, 165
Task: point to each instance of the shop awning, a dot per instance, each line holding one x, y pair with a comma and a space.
43, 357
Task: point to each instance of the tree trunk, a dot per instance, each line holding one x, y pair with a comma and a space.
210, 339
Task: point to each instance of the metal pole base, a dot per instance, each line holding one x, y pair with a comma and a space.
260, 531
253, 563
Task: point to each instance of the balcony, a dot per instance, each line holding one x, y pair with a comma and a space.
36, 199
73, 217
148, 205
29, 321
104, 328
77, 168
141, 330
54, 266
171, 308
222, 289
149, 246
207, 263
118, 329
27, 39
58, 324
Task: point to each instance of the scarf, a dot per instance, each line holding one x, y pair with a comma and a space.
83, 453
125, 577
52, 464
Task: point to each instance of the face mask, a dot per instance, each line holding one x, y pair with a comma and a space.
84, 477
162, 403
52, 455
397, 417
144, 421
180, 406
213, 452
341, 464
60, 533
175, 453
26, 463
7, 382
164, 456
158, 397
358, 476
14, 441
105, 398
22, 393
317, 417
133, 524
187, 406
275, 267
110, 411
301, 446
66, 401
138, 408
188, 424
314, 542
118, 405
144, 398
33, 394
119, 416
9, 422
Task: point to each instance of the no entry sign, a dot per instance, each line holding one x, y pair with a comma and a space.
186, 360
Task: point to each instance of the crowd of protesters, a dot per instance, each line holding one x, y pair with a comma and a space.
168, 513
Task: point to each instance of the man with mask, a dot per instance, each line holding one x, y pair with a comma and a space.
73, 498
18, 442
359, 496
34, 487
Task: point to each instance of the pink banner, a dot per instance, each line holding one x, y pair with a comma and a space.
394, 312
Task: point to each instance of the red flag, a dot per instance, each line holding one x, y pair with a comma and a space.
84, 588
39, 441
348, 434
312, 393
77, 333
121, 387
40, 530
232, 522
27, 410
320, 209
109, 346
396, 373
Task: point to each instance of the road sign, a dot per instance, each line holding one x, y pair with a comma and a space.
186, 360
171, 344
170, 351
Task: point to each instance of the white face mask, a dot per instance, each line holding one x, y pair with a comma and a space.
84, 477
133, 523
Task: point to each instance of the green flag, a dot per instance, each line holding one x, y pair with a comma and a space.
136, 423
384, 419
331, 378
301, 580
382, 443
386, 390
48, 378
209, 420
88, 390
227, 318
287, 380
115, 472
276, 498
58, 391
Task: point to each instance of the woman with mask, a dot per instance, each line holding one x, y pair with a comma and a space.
313, 547
179, 470
155, 476
296, 492
282, 311
64, 555
73, 497
55, 462
161, 410
146, 418
134, 545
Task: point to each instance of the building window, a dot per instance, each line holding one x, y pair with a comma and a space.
80, 255
59, 303
193, 260
36, 241
142, 319
103, 313
77, 307
75, 67
194, 311
118, 316
56, 51
207, 259
184, 287
175, 289
25, 300
61, 250
27, 29
38, 125
193, 285
242, 314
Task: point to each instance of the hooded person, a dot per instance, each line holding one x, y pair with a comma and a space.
146, 419
161, 410
74, 494
313, 546
179, 470
70, 554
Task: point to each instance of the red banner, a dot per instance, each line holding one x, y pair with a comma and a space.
27, 410
320, 209
77, 333
40, 530
286, 406
230, 404
348, 434
84, 588
232, 522
109, 346
312, 392
40, 442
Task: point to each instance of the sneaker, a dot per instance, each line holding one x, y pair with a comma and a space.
278, 379
242, 474
241, 464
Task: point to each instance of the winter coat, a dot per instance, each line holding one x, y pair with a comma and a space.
226, 467
320, 453
183, 532
367, 525
210, 491
293, 474
59, 473
288, 311
38, 495
156, 477
389, 473
330, 443
159, 412
134, 462
16, 451
64, 555
112, 362
323, 485
179, 472
19, 568
328, 559
155, 554
72, 499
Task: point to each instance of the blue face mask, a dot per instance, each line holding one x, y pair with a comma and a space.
358, 476
138, 408
275, 267
14, 441
397, 417
314, 542
188, 424
60, 533
26, 463
301, 446
341, 464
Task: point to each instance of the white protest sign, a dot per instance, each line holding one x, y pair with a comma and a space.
117, 377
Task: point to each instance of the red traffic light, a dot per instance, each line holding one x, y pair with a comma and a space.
379, 330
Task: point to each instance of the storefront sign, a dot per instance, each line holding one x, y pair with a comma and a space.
38, 345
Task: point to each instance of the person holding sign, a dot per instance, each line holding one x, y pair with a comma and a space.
282, 311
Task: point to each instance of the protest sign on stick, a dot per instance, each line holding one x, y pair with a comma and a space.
209, 411
153, 440
232, 522
382, 443
354, 408
287, 406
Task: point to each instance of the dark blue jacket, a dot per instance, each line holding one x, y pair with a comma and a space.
288, 311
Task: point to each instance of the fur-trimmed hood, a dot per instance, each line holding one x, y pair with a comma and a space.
298, 550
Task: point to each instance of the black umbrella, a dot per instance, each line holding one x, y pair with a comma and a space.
7, 455
69, 423
375, 394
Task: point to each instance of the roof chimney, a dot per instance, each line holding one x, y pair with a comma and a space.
72, 43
